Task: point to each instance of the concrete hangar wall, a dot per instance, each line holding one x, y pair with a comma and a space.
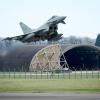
50, 57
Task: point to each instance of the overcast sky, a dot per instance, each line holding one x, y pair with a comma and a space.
83, 16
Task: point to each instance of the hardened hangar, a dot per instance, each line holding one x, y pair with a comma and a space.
50, 57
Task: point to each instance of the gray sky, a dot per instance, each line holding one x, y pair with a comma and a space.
83, 16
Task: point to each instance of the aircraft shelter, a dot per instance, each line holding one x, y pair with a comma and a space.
50, 57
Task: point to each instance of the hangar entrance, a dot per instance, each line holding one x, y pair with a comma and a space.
82, 58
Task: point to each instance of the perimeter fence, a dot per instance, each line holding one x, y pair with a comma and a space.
55, 74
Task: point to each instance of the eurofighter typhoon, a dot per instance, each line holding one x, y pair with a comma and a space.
47, 31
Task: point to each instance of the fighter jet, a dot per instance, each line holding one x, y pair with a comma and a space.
47, 31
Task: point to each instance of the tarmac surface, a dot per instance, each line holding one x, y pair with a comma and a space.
48, 96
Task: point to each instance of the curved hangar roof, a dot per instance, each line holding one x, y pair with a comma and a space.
43, 57
18, 58
81, 57
46, 59
72, 56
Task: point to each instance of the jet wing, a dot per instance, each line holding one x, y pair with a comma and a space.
34, 36
20, 37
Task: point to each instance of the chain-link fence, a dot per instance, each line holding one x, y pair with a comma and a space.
54, 74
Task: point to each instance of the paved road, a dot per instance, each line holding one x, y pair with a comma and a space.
48, 96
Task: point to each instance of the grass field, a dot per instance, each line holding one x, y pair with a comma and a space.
50, 85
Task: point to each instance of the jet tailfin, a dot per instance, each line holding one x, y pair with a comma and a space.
25, 28
97, 43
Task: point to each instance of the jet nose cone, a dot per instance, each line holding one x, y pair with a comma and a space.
63, 17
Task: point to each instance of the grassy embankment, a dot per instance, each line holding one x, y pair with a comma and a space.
50, 85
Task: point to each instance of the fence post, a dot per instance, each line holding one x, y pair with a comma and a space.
92, 73
9, 73
98, 72
19, 73
75, 73
63, 74
25, 73
3, 73
14, 73
30, 74
41, 74
47, 73
81, 73
58, 73
69, 75
51, 76
86, 74
36, 74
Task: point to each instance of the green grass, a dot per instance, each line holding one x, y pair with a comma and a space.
50, 85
